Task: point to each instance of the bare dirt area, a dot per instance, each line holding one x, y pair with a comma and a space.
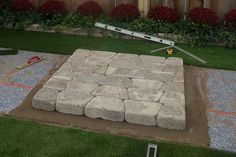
196, 100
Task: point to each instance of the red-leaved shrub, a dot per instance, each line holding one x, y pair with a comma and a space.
90, 8
203, 16
163, 13
230, 18
21, 5
125, 12
51, 7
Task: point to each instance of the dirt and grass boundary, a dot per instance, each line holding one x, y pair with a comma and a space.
216, 57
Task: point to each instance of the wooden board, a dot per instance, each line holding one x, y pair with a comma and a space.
26, 65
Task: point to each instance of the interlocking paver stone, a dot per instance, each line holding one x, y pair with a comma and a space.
152, 59
145, 90
144, 94
87, 77
127, 61
72, 102
172, 117
123, 72
80, 87
57, 84
81, 53
89, 68
79, 56
105, 108
95, 60
172, 98
141, 112
174, 61
173, 87
66, 66
111, 91
116, 81
159, 75
144, 83
64, 75
178, 69
45, 99
179, 78
152, 63
102, 54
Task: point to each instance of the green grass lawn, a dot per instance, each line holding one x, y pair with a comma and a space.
217, 57
20, 138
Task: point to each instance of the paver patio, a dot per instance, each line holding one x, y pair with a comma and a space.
145, 90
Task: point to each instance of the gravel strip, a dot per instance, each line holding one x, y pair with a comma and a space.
11, 97
222, 97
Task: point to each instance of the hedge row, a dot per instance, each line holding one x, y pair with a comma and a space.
123, 12
201, 26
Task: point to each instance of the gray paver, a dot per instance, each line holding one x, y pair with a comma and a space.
144, 94
173, 87
80, 87
152, 59
152, 63
66, 66
57, 84
174, 61
178, 69
124, 72
179, 78
141, 112
152, 66
116, 81
72, 102
111, 91
45, 99
95, 60
159, 75
63, 74
172, 117
105, 108
87, 77
127, 61
79, 56
102, 54
172, 98
144, 83
77, 67
81, 53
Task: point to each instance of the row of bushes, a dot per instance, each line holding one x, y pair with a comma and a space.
124, 12
201, 26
